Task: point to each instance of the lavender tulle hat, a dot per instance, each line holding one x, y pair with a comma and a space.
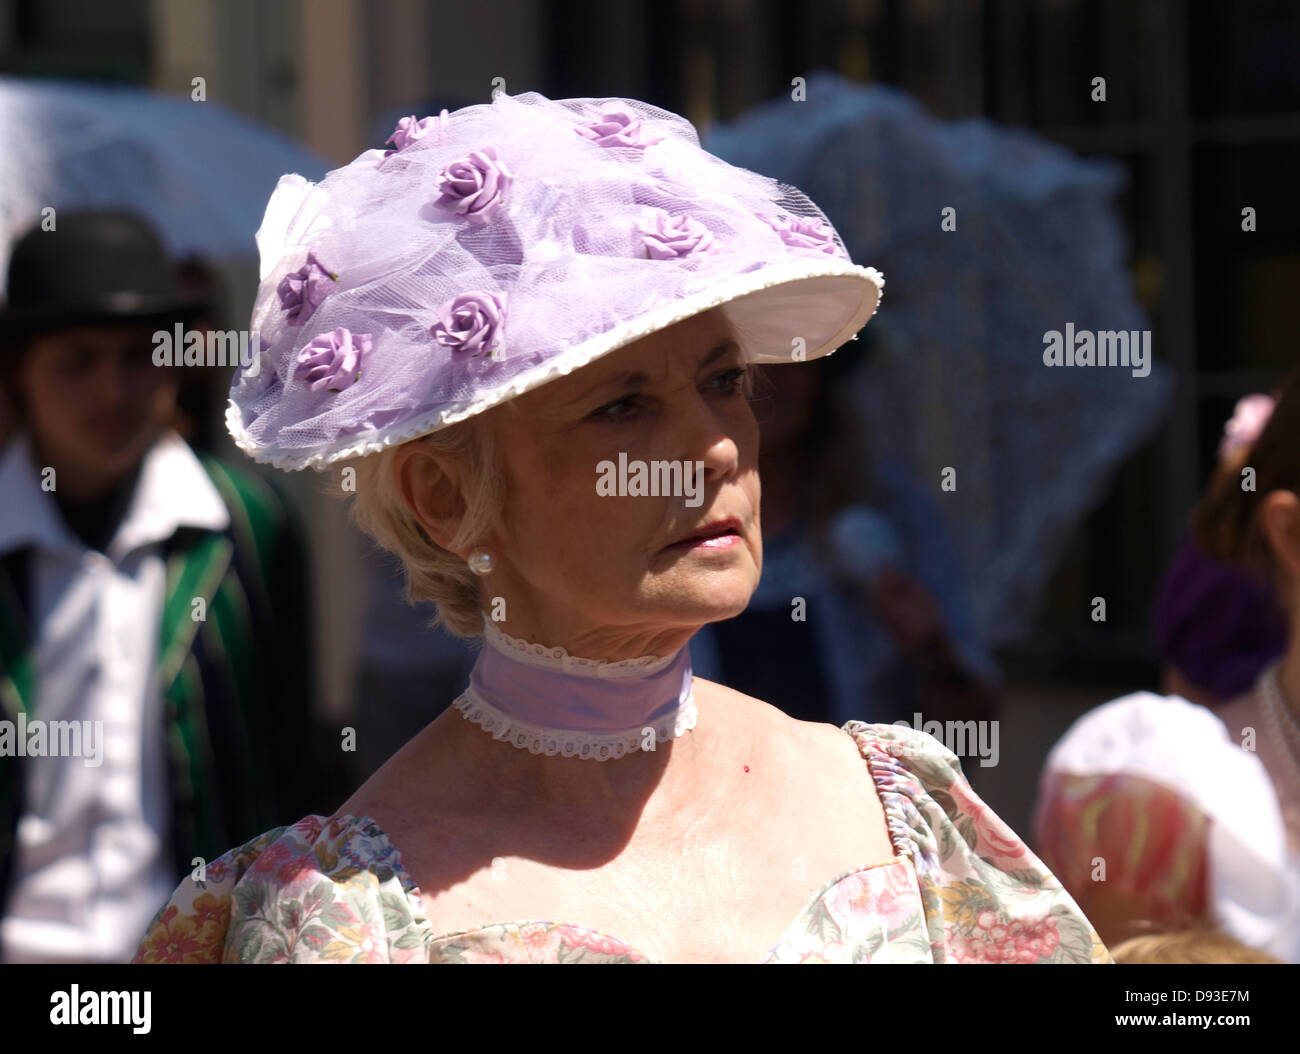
505, 245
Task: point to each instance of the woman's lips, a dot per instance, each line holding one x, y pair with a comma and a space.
717, 541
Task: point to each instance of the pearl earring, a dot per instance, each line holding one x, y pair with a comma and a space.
480, 562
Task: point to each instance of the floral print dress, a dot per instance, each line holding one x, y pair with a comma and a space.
962, 888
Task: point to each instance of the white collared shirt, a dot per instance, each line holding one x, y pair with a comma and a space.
92, 861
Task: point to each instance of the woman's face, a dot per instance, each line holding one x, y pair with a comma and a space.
580, 556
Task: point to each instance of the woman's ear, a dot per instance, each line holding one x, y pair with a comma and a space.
1279, 519
430, 487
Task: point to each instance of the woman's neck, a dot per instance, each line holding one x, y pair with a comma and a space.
547, 701
577, 634
606, 803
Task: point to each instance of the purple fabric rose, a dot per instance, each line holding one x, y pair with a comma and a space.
668, 237
471, 322
475, 186
301, 293
804, 234
333, 360
618, 127
409, 129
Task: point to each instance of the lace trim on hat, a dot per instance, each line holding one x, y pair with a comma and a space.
560, 661
586, 745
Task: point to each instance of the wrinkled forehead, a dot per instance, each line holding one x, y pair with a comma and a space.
702, 332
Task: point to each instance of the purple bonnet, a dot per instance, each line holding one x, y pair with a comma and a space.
505, 245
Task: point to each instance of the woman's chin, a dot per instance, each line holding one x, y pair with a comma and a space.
717, 604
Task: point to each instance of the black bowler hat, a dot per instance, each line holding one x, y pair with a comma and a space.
93, 267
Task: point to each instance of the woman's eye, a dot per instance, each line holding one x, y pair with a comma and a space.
616, 410
727, 383
732, 380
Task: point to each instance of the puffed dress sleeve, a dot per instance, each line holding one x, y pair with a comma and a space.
323, 890
986, 897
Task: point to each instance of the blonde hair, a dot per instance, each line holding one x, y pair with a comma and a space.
433, 573
1188, 946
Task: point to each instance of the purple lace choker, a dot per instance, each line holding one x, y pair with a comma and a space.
547, 701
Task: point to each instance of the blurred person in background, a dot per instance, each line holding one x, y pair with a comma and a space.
1156, 812
156, 599
1218, 624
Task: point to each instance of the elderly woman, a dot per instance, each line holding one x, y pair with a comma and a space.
523, 335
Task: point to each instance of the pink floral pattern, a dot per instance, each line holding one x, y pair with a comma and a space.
995, 940
961, 889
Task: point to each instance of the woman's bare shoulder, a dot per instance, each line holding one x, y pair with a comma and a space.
770, 723
815, 753
410, 780
816, 785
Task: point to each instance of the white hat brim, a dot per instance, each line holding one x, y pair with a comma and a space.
790, 311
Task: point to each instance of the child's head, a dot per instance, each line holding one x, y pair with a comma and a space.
1188, 946
1250, 512
87, 298
91, 397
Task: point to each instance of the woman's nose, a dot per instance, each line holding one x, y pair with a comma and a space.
709, 437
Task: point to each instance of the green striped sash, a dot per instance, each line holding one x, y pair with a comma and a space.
193, 572
227, 571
